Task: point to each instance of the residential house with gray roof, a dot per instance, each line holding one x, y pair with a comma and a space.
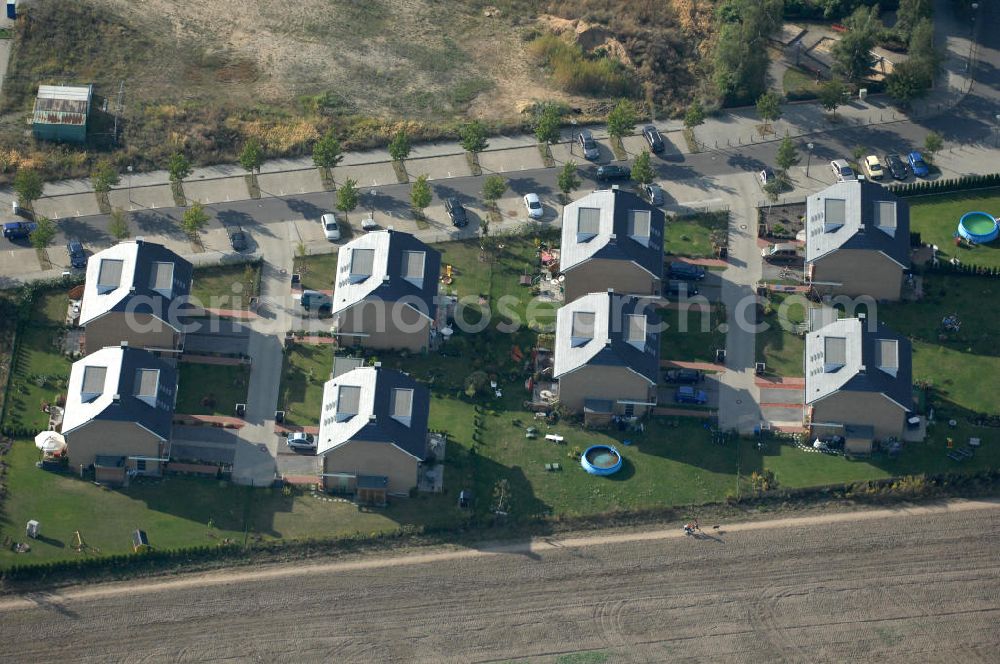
136, 293
373, 432
607, 356
385, 292
859, 381
611, 239
857, 240
119, 413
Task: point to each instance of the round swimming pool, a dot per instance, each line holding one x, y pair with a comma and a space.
601, 460
978, 227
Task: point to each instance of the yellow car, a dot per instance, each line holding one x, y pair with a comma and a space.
873, 167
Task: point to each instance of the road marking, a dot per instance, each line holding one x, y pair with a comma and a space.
520, 548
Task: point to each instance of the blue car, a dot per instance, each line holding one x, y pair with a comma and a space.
918, 165
687, 394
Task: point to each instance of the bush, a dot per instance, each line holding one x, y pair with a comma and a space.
964, 183
575, 71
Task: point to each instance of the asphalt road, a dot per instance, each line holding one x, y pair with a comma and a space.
918, 585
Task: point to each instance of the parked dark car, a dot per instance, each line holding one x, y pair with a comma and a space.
685, 271
238, 239
77, 257
613, 172
653, 137
456, 211
684, 376
588, 145
18, 230
678, 288
895, 166
687, 394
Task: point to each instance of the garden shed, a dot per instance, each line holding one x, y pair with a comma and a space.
61, 113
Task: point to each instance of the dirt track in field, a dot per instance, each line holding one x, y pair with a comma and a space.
914, 585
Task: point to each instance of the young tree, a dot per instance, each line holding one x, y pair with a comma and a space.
852, 55
547, 124
347, 195
252, 156
740, 59
568, 179
768, 108
642, 168
104, 176
28, 186
473, 136
933, 142
44, 233
621, 119
399, 147
909, 13
178, 167
118, 224
788, 156
194, 219
908, 81
420, 194
831, 95
494, 187
858, 152
695, 115
326, 151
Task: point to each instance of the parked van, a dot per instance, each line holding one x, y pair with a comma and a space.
784, 252
315, 300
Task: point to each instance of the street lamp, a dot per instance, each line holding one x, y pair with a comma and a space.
371, 202
996, 141
809, 146
129, 169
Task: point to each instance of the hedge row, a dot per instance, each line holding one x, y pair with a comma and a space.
965, 269
874, 492
966, 182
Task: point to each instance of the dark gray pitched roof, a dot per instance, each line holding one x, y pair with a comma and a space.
130, 408
899, 388
384, 428
622, 353
625, 248
148, 254
398, 287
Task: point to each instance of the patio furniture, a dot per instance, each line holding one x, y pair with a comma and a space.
974, 442
554, 437
548, 467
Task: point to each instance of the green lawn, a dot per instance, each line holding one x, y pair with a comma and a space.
41, 373
964, 366
692, 335
692, 235
799, 83
225, 286
783, 350
317, 272
936, 219
50, 308
178, 512
211, 389
306, 369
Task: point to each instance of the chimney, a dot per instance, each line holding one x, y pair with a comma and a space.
386, 279
378, 365
372, 418
124, 344
116, 398
612, 238
140, 239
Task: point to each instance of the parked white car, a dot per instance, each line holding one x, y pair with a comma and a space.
330, 227
842, 170
533, 205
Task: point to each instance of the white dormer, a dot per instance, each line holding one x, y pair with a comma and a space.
887, 357
639, 223
834, 353
161, 278
582, 331
884, 214
635, 333
588, 223
362, 264
147, 385
413, 267
93, 383
401, 406
348, 402
834, 214
109, 276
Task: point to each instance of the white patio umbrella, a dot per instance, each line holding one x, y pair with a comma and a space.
50, 441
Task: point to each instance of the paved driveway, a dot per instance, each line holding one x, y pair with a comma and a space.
205, 444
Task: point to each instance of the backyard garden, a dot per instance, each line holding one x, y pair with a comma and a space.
692, 335
211, 389
226, 286
780, 345
936, 219
696, 235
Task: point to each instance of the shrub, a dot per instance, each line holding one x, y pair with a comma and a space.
575, 71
